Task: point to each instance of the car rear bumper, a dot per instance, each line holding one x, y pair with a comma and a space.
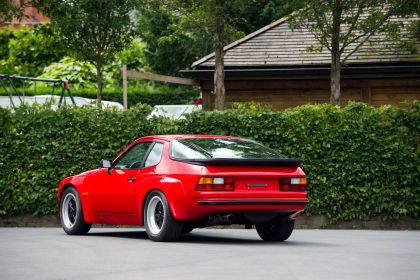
251, 203
204, 207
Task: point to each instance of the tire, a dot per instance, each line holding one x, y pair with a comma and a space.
71, 213
275, 230
187, 228
158, 220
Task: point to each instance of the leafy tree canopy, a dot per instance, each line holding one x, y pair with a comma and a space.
177, 31
94, 30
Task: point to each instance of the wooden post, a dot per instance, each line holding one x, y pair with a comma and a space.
160, 78
124, 78
149, 76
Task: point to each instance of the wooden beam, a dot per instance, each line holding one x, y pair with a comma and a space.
160, 78
125, 90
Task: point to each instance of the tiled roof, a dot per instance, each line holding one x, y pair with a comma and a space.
277, 45
31, 17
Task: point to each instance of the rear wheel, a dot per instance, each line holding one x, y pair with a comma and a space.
71, 213
158, 220
187, 228
275, 230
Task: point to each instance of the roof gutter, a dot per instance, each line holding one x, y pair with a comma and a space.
261, 72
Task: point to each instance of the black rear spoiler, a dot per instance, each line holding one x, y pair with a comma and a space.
243, 162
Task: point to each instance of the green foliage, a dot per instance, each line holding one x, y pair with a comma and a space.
357, 158
145, 94
40, 146
263, 12
138, 92
27, 52
5, 37
79, 74
179, 32
133, 56
95, 31
169, 48
343, 27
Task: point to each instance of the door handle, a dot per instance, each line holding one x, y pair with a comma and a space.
131, 179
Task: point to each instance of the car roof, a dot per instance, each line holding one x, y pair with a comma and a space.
180, 136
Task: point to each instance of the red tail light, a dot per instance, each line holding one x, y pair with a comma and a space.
293, 184
215, 184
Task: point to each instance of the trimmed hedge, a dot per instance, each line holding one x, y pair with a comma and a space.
159, 96
136, 96
359, 159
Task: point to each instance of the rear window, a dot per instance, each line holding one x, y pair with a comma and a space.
205, 148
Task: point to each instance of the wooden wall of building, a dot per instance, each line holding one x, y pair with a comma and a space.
283, 93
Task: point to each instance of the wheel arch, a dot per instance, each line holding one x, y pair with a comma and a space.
65, 187
86, 203
143, 204
174, 192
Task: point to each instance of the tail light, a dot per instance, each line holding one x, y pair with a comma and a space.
293, 184
215, 184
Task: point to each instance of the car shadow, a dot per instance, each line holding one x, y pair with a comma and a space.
214, 238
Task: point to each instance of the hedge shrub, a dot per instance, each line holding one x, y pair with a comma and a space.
359, 159
160, 95
143, 95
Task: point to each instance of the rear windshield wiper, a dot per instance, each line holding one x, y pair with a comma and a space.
196, 148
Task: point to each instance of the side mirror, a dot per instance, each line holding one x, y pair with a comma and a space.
106, 163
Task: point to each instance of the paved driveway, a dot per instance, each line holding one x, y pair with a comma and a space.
47, 253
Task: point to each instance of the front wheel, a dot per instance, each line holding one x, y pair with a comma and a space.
275, 230
71, 213
158, 220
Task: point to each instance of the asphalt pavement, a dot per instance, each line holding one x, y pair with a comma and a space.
111, 253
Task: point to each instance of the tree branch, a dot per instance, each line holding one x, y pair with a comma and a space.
351, 28
318, 22
368, 34
384, 19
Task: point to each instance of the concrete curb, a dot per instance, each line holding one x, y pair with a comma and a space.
303, 222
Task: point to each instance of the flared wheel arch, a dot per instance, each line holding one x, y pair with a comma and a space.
87, 215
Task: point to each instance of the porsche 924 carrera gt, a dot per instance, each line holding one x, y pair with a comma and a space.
172, 184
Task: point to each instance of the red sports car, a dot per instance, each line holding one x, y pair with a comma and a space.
172, 184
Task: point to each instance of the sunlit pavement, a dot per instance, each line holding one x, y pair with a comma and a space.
110, 253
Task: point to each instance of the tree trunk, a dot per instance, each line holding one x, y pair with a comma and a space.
219, 80
335, 53
219, 68
335, 77
99, 83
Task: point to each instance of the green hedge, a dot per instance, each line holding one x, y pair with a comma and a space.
163, 95
357, 158
137, 95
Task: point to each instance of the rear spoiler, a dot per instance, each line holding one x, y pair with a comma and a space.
243, 162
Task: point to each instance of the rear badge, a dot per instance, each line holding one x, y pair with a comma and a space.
257, 185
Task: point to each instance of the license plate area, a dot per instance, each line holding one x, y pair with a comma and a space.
256, 184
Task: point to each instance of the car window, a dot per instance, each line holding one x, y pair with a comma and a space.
133, 158
155, 155
202, 148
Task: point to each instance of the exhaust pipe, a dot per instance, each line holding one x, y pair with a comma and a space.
218, 219
228, 218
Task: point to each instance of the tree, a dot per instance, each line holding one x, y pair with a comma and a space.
173, 42
169, 46
215, 20
94, 30
343, 26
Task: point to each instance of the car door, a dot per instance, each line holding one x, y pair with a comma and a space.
116, 191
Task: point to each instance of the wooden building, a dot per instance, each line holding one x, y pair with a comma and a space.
273, 66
